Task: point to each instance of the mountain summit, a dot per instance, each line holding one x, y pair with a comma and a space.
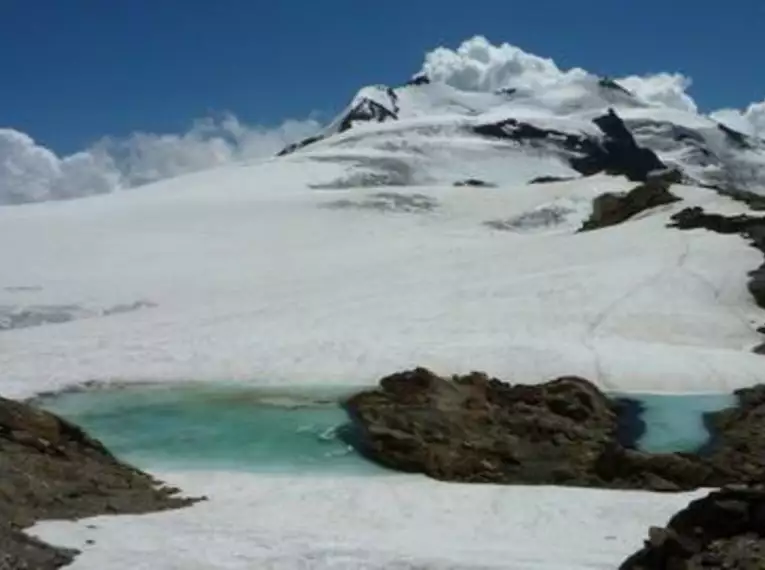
464, 117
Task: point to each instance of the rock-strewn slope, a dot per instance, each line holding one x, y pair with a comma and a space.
51, 469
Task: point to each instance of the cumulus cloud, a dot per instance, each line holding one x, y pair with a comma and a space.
30, 172
750, 121
668, 89
479, 65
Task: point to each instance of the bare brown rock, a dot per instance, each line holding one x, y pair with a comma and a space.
51, 469
475, 428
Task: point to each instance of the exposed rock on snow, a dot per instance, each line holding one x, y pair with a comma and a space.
367, 110
548, 179
475, 182
51, 469
615, 153
478, 429
726, 529
611, 209
619, 153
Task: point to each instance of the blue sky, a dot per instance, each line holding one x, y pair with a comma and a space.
76, 70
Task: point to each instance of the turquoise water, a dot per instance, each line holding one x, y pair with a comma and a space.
676, 423
206, 426
217, 427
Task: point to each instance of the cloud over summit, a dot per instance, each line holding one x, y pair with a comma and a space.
30, 172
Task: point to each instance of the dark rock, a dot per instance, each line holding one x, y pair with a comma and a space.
475, 428
615, 153
739, 436
619, 153
725, 529
367, 111
51, 469
21, 552
611, 209
549, 179
696, 218
739, 140
475, 182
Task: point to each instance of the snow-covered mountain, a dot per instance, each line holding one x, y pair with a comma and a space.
406, 233
559, 124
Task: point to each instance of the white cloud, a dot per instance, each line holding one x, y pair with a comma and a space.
750, 121
479, 65
30, 172
667, 89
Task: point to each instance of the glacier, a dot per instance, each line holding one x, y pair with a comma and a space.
355, 254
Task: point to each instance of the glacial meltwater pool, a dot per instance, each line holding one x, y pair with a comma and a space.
213, 426
231, 427
676, 422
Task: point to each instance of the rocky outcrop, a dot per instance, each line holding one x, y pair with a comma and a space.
725, 529
51, 469
611, 209
475, 428
615, 153
618, 154
367, 111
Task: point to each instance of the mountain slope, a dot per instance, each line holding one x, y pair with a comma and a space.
407, 233
572, 123
248, 273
